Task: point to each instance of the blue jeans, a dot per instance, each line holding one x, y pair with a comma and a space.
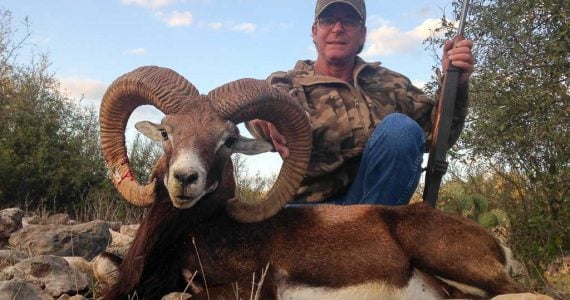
391, 164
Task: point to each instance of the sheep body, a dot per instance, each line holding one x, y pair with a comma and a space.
322, 250
409, 251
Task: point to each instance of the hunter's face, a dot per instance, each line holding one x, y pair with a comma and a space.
336, 35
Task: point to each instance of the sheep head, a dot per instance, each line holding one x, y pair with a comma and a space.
197, 145
199, 134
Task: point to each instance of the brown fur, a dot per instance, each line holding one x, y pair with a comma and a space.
309, 245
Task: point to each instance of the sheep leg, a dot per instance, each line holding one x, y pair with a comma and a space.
483, 265
454, 249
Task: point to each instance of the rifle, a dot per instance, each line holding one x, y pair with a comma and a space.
437, 164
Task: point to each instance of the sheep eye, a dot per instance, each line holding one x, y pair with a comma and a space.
164, 134
230, 142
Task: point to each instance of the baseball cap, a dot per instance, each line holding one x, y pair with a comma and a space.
358, 6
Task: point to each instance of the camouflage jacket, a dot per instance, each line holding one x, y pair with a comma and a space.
343, 115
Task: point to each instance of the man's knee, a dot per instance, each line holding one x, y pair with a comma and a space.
399, 132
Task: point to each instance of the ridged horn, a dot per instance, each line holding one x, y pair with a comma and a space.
249, 99
164, 89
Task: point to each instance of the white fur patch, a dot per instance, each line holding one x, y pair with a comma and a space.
188, 159
185, 163
416, 289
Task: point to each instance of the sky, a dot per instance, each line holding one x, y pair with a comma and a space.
210, 42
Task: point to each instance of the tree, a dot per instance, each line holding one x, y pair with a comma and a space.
50, 152
518, 127
49, 149
250, 187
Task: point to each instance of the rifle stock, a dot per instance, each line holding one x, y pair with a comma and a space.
437, 164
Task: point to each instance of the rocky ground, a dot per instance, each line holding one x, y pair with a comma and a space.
54, 259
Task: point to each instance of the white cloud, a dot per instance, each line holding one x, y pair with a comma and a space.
426, 29
419, 83
244, 27
376, 21
173, 18
422, 12
151, 4
215, 25
135, 51
387, 39
176, 18
88, 91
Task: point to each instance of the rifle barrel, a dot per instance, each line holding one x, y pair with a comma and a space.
463, 17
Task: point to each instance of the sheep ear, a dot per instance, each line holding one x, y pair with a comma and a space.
251, 146
151, 130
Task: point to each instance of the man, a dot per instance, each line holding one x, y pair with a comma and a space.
370, 124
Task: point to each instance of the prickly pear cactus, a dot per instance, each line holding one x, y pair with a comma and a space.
476, 207
481, 203
502, 216
467, 206
488, 220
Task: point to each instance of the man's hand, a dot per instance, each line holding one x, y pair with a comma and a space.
460, 56
270, 132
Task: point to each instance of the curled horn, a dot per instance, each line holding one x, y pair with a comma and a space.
160, 87
248, 99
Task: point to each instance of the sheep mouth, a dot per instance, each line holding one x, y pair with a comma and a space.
182, 201
185, 201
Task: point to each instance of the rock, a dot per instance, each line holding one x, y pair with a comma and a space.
80, 264
86, 240
67, 297
17, 289
51, 273
10, 221
120, 240
31, 220
120, 243
118, 251
523, 296
58, 219
10, 258
177, 296
116, 226
130, 230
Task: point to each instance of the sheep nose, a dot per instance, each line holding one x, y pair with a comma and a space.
186, 178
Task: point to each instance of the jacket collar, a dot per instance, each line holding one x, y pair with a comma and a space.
308, 75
